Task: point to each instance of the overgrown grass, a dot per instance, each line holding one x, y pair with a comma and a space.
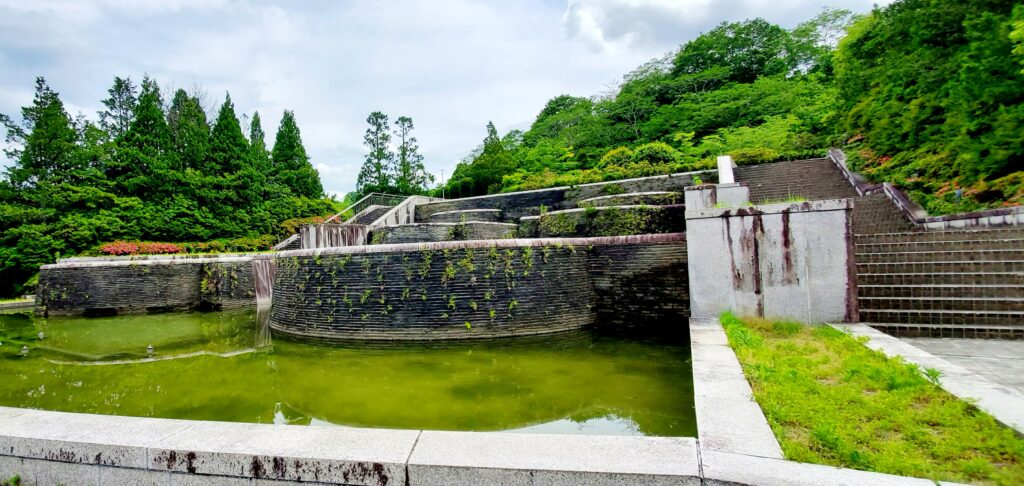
831, 400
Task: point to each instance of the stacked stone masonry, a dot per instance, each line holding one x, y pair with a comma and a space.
145, 286
481, 289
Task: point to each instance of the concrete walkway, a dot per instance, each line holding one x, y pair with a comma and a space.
1001, 361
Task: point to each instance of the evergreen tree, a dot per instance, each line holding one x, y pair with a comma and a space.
258, 153
120, 112
291, 166
145, 149
228, 147
375, 175
190, 132
44, 145
410, 176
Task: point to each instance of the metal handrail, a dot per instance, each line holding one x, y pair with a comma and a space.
371, 199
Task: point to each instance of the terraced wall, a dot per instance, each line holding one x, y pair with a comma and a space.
481, 289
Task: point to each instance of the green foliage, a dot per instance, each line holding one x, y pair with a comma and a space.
141, 175
931, 93
751, 88
291, 166
831, 400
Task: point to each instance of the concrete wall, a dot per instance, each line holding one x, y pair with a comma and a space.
791, 261
331, 235
403, 213
537, 286
108, 286
710, 196
515, 205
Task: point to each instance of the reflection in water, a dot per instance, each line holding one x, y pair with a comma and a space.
205, 367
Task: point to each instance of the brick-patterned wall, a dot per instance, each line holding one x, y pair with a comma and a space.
533, 288
641, 286
126, 287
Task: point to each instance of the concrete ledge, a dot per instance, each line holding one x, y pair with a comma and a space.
728, 418
442, 458
823, 205
501, 243
1004, 404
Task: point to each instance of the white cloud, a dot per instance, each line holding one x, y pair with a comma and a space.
451, 65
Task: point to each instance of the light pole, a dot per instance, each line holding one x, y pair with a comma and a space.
442, 183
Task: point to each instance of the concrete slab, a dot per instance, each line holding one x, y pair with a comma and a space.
349, 455
63, 473
84, 438
1004, 403
728, 418
498, 458
721, 468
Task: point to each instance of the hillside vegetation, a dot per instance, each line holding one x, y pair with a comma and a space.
923, 93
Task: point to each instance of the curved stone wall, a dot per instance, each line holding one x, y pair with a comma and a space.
470, 289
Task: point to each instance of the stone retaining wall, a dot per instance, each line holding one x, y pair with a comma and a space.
131, 286
420, 232
480, 289
515, 205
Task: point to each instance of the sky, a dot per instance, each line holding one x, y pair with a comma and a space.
450, 65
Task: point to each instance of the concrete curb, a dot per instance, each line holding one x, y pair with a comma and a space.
1004, 404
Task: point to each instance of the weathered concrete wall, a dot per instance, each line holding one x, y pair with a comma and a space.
791, 261
403, 213
500, 288
422, 232
709, 196
515, 205
133, 285
331, 235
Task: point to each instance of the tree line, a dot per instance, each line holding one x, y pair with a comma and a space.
927, 94
147, 170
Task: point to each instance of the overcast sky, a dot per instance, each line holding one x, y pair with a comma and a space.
451, 65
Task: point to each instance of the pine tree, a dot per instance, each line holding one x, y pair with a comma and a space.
291, 166
228, 147
375, 175
121, 104
258, 153
47, 139
190, 132
410, 175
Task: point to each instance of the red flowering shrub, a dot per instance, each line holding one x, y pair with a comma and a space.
159, 248
119, 248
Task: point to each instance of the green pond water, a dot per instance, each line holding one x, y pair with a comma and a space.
225, 366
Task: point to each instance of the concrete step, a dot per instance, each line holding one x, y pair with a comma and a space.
961, 278
974, 255
925, 246
1003, 233
939, 290
949, 331
943, 317
953, 266
998, 304
368, 215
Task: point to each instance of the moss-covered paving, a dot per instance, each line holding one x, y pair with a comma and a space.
831, 400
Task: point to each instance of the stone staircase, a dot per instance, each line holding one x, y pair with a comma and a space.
811, 179
957, 283
368, 215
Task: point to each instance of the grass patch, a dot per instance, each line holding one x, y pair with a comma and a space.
831, 400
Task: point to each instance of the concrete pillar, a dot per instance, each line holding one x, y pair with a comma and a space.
783, 261
725, 165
